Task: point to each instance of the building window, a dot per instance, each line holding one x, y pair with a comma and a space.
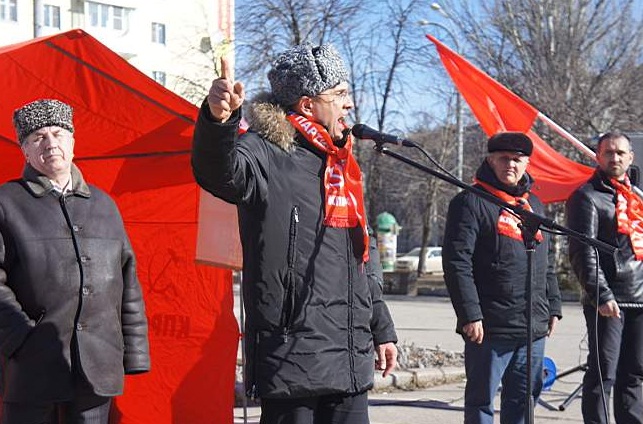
158, 33
8, 10
118, 17
107, 16
159, 76
51, 16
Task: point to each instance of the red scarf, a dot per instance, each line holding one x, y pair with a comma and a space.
629, 214
344, 196
508, 223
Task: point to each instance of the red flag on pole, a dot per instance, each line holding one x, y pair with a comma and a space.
498, 109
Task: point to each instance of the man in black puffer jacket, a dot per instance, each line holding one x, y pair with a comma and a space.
316, 320
486, 272
608, 209
72, 317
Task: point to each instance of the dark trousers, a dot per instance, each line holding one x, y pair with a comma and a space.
331, 409
85, 407
89, 409
495, 361
620, 352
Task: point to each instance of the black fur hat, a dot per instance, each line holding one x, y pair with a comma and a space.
510, 142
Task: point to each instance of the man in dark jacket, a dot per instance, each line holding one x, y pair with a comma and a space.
608, 209
311, 276
72, 318
486, 273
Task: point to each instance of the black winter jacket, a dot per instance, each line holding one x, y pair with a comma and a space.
486, 273
314, 310
591, 211
66, 268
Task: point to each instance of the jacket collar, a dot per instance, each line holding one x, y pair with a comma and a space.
601, 182
268, 119
39, 185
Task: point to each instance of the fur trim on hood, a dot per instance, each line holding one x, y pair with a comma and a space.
268, 119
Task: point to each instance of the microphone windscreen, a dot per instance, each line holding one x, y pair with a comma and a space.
365, 132
358, 130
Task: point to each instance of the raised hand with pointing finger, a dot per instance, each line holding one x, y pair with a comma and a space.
225, 96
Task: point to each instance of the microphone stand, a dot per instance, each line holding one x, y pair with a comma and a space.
531, 222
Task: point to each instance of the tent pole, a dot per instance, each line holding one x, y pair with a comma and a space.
242, 327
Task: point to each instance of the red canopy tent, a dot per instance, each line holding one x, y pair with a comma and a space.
133, 140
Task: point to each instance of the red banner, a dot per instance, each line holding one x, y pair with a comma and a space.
498, 109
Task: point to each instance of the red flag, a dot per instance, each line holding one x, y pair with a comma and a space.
498, 109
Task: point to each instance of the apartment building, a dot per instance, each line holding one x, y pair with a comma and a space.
175, 42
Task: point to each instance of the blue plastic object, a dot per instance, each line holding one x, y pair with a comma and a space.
549, 373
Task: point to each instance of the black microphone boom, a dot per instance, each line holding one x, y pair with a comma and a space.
365, 132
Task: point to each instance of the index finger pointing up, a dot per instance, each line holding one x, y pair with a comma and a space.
225, 69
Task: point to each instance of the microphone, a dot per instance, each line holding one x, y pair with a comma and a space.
365, 132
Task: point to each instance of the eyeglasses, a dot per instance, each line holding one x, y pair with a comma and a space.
338, 96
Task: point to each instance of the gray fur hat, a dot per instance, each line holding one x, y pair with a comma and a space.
305, 70
42, 113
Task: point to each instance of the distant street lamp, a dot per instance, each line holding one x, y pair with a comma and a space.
436, 6
458, 98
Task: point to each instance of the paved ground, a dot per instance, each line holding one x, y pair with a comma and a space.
428, 322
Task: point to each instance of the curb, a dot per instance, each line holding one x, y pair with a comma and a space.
441, 291
419, 378
409, 379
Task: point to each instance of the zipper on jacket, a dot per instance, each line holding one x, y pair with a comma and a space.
288, 306
41, 316
252, 392
351, 341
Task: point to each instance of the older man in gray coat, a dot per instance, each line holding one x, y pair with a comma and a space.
72, 318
